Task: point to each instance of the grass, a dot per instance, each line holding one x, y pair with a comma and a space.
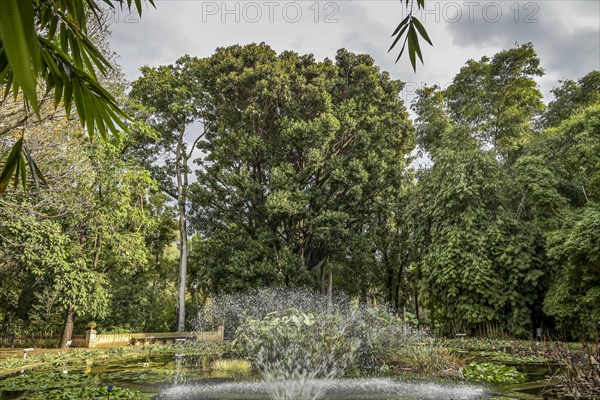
427, 356
237, 368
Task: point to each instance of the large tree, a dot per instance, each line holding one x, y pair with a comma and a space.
68, 242
300, 154
497, 99
480, 262
570, 97
568, 154
175, 107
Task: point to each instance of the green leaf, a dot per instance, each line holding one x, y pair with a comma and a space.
35, 170
415, 39
398, 38
411, 48
403, 23
11, 166
422, 31
18, 37
21, 167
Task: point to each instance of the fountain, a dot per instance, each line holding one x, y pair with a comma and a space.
339, 389
302, 345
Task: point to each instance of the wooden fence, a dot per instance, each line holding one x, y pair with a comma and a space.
93, 339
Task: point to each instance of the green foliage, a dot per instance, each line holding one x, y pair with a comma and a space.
475, 255
498, 192
492, 372
42, 381
314, 333
300, 154
574, 297
92, 393
570, 97
67, 247
49, 41
172, 99
562, 194
493, 100
303, 173
58, 385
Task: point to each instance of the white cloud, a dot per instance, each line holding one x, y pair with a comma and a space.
567, 34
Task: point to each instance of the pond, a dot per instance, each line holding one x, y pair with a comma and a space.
178, 377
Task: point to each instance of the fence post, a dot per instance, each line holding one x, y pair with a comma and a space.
221, 330
90, 338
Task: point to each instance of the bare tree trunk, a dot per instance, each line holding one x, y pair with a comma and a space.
330, 287
67, 332
181, 171
417, 309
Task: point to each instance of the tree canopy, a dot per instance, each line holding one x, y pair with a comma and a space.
252, 168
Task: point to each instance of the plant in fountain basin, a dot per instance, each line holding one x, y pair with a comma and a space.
298, 353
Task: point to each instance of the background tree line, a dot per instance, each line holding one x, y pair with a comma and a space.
286, 171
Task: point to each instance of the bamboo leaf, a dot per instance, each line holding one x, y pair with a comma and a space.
422, 31
23, 172
16, 35
35, 171
411, 49
415, 41
12, 162
403, 23
398, 37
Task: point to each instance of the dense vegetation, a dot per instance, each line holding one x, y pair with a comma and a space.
304, 177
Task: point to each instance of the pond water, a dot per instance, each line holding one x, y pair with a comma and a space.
167, 377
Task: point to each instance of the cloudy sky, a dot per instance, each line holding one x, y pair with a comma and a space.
565, 33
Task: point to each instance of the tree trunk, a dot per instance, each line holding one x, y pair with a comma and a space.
417, 309
330, 287
67, 332
181, 171
397, 304
322, 279
399, 277
391, 283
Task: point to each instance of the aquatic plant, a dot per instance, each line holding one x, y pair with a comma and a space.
38, 385
90, 393
492, 372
